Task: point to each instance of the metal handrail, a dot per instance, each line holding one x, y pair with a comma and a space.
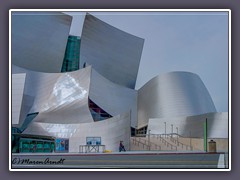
145, 143
171, 139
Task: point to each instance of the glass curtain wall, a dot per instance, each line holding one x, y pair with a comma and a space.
72, 53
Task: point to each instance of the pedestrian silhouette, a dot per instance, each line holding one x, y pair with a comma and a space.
121, 146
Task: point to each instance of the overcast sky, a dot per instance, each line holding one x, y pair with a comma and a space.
176, 41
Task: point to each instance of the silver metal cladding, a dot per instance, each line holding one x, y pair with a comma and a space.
113, 98
171, 95
58, 97
18, 82
39, 40
111, 131
113, 53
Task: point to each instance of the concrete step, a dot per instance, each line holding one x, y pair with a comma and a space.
142, 143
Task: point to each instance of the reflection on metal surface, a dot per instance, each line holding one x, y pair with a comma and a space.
57, 104
58, 97
111, 131
113, 98
113, 53
173, 94
66, 90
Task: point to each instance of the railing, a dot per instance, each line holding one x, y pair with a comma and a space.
91, 148
174, 143
163, 137
145, 143
164, 141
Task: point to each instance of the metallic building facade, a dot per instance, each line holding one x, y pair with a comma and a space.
113, 98
55, 95
57, 104
61, 97
111, 131
113, 53
61, 103
18, 81
39, 40
173, 94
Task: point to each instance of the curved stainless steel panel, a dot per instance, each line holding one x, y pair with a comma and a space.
173, 94
39, 40
113, 98
58, 97
192, 126
113, 53
28, 98
111, 132
18, 81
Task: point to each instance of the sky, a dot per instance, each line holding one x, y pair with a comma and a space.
176, 41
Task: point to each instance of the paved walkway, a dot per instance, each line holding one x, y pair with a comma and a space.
146, 159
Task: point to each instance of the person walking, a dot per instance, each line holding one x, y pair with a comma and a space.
121, 146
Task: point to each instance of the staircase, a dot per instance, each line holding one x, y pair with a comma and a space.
158, 142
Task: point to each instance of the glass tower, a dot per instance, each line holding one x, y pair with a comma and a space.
72, 53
